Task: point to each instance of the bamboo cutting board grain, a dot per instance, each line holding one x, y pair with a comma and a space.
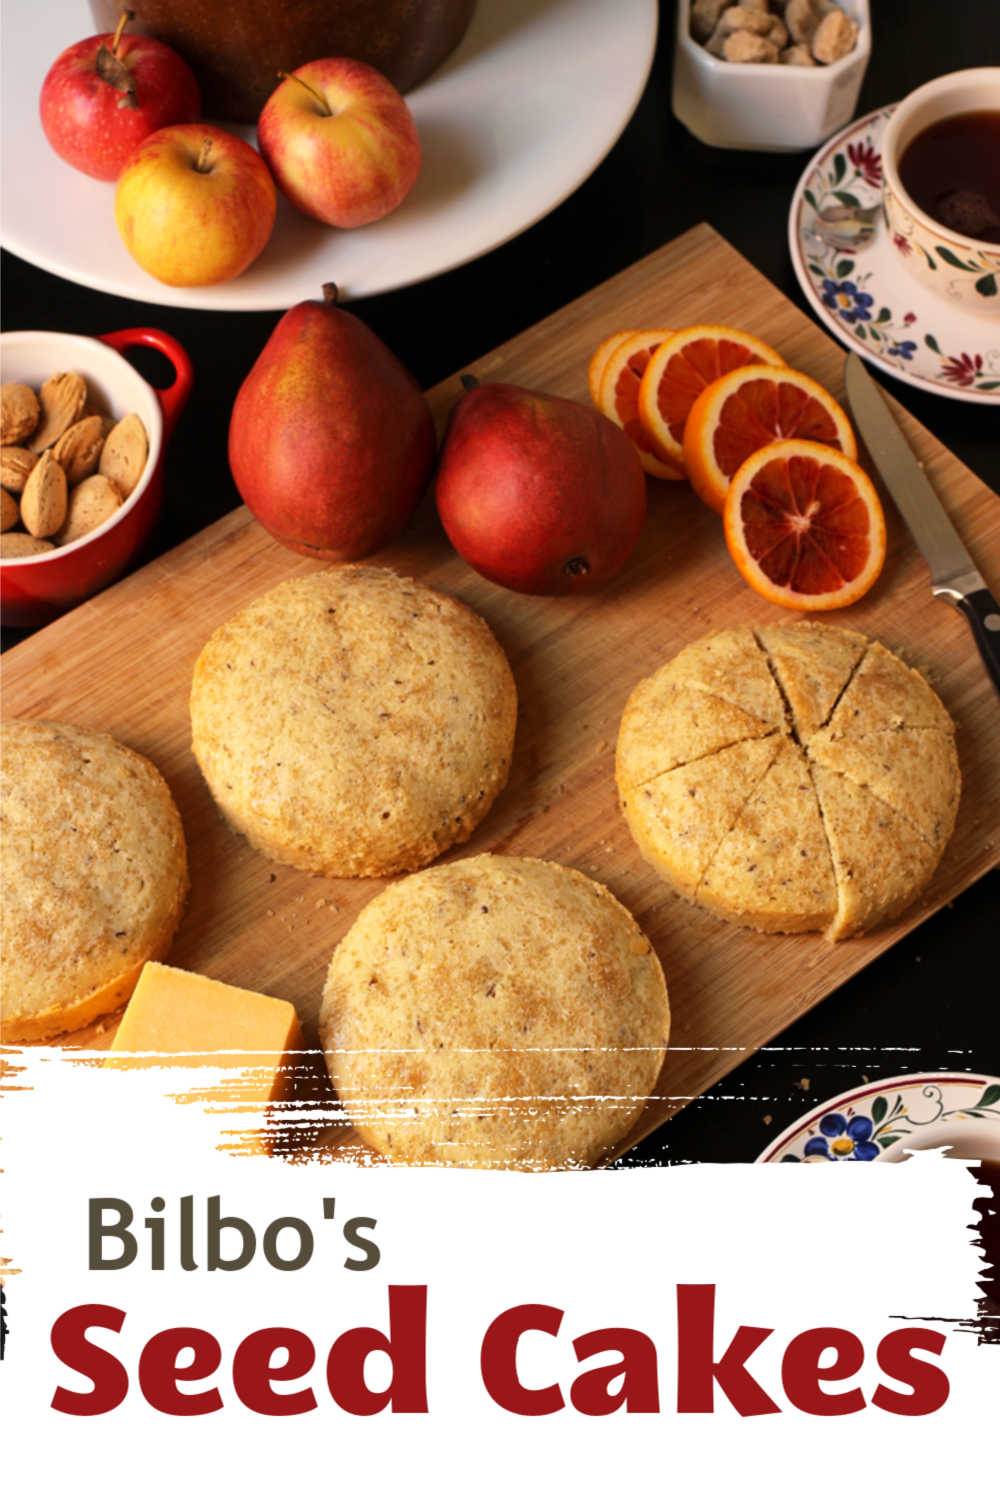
122, 663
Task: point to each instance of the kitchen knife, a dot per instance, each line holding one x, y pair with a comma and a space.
954, 576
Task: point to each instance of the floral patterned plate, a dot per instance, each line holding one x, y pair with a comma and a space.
864, 296
865, 1123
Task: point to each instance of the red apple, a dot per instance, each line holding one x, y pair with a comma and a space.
102, 96
194, 205
340, 141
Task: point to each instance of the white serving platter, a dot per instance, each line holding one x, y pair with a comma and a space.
518, 116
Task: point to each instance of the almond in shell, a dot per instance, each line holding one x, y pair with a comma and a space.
15, 466
124, 454
91, 503
19, 411
9, 512
43, 504
62, 399
20, 544
79, 448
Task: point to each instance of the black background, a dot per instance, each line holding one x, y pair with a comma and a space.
933, 1001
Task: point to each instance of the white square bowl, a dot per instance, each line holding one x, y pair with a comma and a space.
766, 106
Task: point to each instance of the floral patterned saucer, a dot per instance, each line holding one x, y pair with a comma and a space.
867, 1122
864, 296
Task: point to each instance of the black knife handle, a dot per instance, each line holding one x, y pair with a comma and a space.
983, 614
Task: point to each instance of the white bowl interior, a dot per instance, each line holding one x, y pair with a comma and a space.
31, 357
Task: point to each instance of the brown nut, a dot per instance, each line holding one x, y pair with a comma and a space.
19, 411
834, 37
745, 47
747, 18
802, 18
799, 56
705, 17
9, 512
62, 398
79, 448
90, 504
20, 544
43, 504
15, 466
124, 454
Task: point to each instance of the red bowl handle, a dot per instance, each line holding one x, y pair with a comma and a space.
172, 398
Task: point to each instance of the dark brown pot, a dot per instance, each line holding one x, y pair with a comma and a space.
238, 47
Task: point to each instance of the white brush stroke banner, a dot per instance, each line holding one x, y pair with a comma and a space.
786, 1248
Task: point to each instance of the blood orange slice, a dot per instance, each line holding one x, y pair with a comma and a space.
618, 398
805, 526
599, 360
682, 367
749, 408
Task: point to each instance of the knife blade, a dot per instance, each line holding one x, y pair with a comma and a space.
954, 575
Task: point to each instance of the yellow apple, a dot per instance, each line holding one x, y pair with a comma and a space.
194, 205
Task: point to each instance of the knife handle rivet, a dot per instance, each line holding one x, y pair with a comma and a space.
992, 622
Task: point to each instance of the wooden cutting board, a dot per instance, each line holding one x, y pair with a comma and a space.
122, 663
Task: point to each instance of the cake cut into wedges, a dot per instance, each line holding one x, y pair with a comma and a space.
829, 812
812, 664
494, 1012
774, 864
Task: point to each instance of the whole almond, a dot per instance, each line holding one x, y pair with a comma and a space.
79, 448
15, 466
19, 411
20, 544
124, 454
62, 398
9, 512
90, 504
43, 504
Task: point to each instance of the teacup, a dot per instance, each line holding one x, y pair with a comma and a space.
958, 267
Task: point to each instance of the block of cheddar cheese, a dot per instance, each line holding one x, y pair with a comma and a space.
176, 1018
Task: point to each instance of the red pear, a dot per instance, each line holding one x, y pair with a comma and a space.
538, 493
331, 440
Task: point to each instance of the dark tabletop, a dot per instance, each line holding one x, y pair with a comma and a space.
931, 1002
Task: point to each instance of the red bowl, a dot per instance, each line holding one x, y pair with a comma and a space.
36, 589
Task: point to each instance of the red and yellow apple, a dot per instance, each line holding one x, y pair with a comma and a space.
104, 95
194, 205
340, 141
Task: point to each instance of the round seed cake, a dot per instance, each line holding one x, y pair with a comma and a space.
354, 722
94, 874
494, 1012
791, 778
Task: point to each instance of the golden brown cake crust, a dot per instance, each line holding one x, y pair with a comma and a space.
494, 1012
833, 821
354, 722
94, 873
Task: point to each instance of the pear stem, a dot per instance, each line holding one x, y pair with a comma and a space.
127, 15
294, 78
469, 382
